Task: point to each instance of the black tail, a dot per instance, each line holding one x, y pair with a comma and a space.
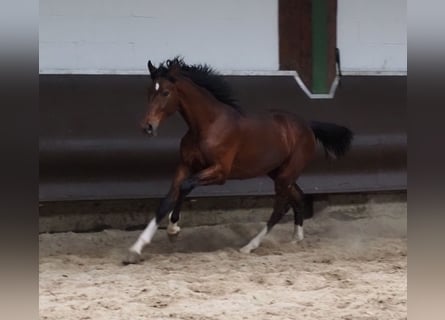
335, 139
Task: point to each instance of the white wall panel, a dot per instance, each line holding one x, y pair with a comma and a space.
109, 36
372, 35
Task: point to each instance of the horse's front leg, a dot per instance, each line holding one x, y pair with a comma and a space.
215, 174
134, 254
173, 229
208, 176
166, 206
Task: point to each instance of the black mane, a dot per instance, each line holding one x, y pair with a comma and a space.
204, 76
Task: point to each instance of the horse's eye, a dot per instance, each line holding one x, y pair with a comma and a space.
165, 93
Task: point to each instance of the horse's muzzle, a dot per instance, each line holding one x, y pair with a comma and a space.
150, 129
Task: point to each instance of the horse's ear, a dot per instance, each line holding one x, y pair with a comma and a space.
151, 68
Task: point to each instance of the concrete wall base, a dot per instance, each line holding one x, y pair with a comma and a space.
87, 216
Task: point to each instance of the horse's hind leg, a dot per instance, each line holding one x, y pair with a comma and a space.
281, 206
297, 204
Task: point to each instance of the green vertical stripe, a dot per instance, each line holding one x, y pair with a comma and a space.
320, 46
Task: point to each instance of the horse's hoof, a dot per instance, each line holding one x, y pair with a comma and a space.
245, 250
132, 258
297, 239
298, 234
173, 237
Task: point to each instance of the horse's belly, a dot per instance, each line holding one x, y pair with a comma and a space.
251, 163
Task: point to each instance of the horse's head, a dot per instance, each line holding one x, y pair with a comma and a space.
163, 100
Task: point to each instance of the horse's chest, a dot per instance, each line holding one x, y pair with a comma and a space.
194, 157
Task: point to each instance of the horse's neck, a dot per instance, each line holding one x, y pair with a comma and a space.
198, 107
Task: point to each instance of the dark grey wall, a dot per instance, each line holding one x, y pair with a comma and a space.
91, 146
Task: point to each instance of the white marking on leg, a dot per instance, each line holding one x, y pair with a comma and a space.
145, 237
255, 242
172, 228
298, 233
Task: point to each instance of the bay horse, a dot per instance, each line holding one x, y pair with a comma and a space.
222, 143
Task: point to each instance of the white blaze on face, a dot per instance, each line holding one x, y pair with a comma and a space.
157, 86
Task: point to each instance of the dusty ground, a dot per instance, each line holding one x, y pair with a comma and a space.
350, 266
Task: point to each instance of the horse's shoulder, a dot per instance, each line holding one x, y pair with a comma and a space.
189, 140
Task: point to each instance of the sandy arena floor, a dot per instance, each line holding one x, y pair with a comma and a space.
349, 266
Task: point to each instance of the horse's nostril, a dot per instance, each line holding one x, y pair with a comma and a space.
148, 129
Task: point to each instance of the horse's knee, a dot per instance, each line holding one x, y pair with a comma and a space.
188, 185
